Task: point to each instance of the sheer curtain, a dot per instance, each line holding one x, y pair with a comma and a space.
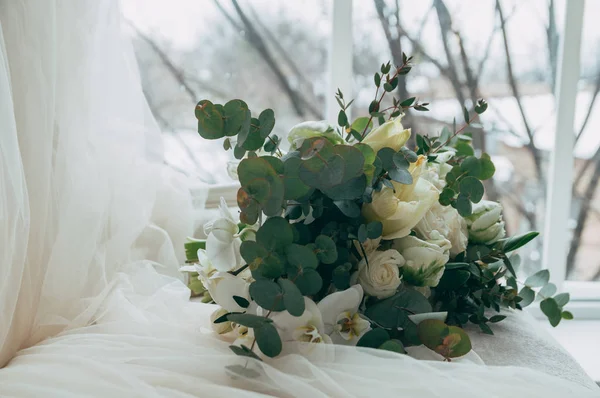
91, 225
82, 193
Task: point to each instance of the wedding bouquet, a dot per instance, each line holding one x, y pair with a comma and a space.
352, 237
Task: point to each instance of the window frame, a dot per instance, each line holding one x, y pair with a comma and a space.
585, 296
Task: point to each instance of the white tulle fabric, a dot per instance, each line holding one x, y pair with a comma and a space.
90, 227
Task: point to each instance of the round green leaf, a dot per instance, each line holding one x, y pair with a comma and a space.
463, 205
460, 347
326, 249
393, 345
308, 280
362, 233
348, 208
551, 309
299, 256
272, 266
400, 161
562, 299
548, 290
322, 174
293, 185
527, 295
432, 332
386, 155
210, 120
267, 122
538, 279
453, 279
237, 119
402, 176
267, 294
292, 297
268, 340
238, 152
566, 315
446, 196
348, 190
393, 311
253, 253
259, 189
409, 155
374, 338
254, 141
487, 167
374, 229
275, 234
471, 166
472, 188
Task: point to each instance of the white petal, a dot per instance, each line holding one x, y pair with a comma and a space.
336, 303
222, 255
225, 286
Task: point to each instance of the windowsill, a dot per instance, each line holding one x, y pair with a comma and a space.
580, 339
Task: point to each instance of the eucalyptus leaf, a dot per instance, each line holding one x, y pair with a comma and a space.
267, 294
268, 340
292, 297
538, 279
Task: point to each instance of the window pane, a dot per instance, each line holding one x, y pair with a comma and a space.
583, 262
460, 55
269, 54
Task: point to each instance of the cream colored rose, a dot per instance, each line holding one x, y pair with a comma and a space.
485, 224
400, 211
390, 134
222, 327
425, 260
436, 172
446, 221
381, 276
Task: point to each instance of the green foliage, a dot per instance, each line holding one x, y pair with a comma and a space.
448, 341
312, 232
393, 312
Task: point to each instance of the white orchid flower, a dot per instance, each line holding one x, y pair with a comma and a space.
223, 242
340, 315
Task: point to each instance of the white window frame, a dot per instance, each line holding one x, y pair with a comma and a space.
585, 296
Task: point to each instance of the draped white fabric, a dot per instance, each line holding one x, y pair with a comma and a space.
91, 226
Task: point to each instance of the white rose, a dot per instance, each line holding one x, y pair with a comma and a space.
223, 327
485, 224
341, 318
390, 134
400, 211
381, 276
223, 242
436, 172
425, 260
446, 221
305, 130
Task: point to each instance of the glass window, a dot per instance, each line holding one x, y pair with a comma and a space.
269, 54
583, 262
465, 50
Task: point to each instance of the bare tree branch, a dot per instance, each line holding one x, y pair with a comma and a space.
256, 40
582, 217
515, 90
176, 72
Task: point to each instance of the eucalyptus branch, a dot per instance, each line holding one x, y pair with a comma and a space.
456, 133
396, 74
